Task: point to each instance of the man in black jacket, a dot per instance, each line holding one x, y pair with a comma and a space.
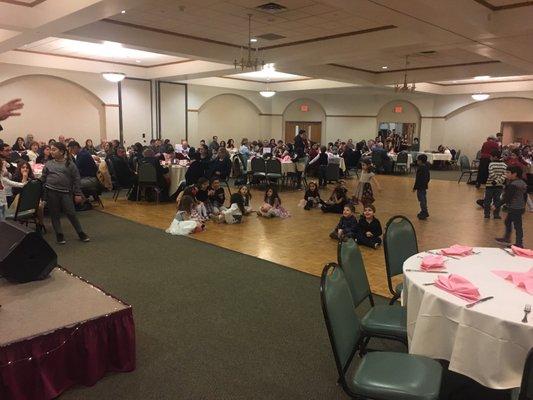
421, 185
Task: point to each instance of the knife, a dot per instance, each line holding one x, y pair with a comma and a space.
427, 272
470, 305
510, 252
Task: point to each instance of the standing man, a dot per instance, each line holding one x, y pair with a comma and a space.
213, 146
421, 185
484, 159
299, 155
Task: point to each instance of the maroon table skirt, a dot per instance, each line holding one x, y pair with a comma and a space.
43, 367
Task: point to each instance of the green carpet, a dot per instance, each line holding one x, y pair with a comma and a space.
210, 323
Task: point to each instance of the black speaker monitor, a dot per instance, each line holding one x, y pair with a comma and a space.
24, 254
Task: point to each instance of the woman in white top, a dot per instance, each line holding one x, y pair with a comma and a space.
33, 152
5, 188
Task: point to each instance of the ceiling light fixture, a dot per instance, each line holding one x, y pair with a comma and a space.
480, 96
384, 67
405, 88
249, 61
267, 93
113, 76
123, 12
253, 40
481, 77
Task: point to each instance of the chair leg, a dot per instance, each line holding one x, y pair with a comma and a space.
394, 299
461, 177
227, 184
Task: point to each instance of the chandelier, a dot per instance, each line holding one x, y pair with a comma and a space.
249, 57
405, 87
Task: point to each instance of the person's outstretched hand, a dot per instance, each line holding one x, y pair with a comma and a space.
9, 109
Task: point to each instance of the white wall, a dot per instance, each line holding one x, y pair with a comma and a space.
84, 105
136, 111
173, 111
228, 116
53, 107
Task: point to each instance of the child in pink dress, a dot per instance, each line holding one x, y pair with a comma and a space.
272, 206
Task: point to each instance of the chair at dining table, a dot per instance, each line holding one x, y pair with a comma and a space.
378, 374
273, 170
147, 178
258, 169
399, 243
526, 387
402, 162
27, 209
466, 169
380, 321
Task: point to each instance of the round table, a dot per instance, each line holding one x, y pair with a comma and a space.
487, 342
176, 174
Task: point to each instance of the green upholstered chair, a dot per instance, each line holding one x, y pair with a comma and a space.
399, 243
526, 388
381, 321
28, 204
379, 375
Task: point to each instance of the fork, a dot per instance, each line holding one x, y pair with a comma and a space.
527, 310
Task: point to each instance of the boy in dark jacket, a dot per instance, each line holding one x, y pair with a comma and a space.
514, 195
347, 226
370, 228
421, 185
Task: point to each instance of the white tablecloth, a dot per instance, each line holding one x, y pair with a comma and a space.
176, 174
286, 167
394, 157
437, 157
487, 343
291, 167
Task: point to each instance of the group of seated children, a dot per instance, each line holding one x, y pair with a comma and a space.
366, 231
198, 203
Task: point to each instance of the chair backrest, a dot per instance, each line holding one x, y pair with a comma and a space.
478, 155
526, 388
147, 173
350, 260
464, 162
343, 325
377, 160
111, 168
402, 158
332, 172
273, 166
258, 165
399, 243
237, 167
457, 155
29, 197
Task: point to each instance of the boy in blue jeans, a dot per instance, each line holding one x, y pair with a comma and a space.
514, 196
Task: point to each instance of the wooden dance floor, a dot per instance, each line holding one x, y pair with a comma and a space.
301, 242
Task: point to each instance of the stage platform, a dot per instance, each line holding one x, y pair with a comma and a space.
59, 332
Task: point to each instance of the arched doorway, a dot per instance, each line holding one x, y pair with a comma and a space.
399, 117
304, 114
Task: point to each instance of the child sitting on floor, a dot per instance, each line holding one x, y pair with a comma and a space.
336, 202
240, 206
370, 228
186, 221
272, 206
217, 196
202, 196
347, 228
199, 210
311, 196
364, 193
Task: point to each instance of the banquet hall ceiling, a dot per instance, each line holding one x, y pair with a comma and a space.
356, 42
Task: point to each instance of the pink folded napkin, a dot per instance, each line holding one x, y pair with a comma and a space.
432, 262
458, 286
457, 250
522, 252
527, 285
523, 280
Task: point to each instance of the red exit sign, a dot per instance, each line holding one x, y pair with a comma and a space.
304, 108
398, 109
